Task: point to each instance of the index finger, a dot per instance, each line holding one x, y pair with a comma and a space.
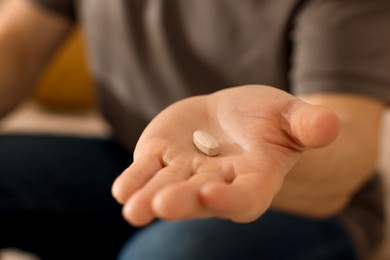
135, 176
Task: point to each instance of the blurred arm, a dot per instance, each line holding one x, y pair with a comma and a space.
28, 36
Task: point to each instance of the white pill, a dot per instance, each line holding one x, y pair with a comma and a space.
206, 143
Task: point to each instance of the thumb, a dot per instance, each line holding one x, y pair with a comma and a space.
314, 126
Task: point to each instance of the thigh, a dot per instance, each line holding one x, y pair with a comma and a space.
55, 196
273, 236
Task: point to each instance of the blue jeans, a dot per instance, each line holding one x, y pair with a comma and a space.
273, 236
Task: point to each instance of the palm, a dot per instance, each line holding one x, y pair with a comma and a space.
171, 178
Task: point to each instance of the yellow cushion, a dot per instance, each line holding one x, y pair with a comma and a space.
66, 83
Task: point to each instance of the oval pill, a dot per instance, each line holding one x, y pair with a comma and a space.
206, 143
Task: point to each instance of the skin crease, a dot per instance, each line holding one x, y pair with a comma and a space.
262, 138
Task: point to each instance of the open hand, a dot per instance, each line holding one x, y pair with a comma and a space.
261, 131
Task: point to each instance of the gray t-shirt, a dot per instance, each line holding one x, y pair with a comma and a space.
147, 54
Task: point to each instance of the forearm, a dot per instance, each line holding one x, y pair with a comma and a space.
324, 180
25, 45
16, 78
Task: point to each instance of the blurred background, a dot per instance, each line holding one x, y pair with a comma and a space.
63, 103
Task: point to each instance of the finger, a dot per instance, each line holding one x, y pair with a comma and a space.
183, 201
135, 176
312, 125
245, 199
138, 210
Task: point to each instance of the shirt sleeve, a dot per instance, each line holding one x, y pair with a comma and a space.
63, 7
342, 46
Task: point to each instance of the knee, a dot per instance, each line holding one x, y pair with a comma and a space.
170, 240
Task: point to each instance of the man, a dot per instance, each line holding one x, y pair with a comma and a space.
297, 169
